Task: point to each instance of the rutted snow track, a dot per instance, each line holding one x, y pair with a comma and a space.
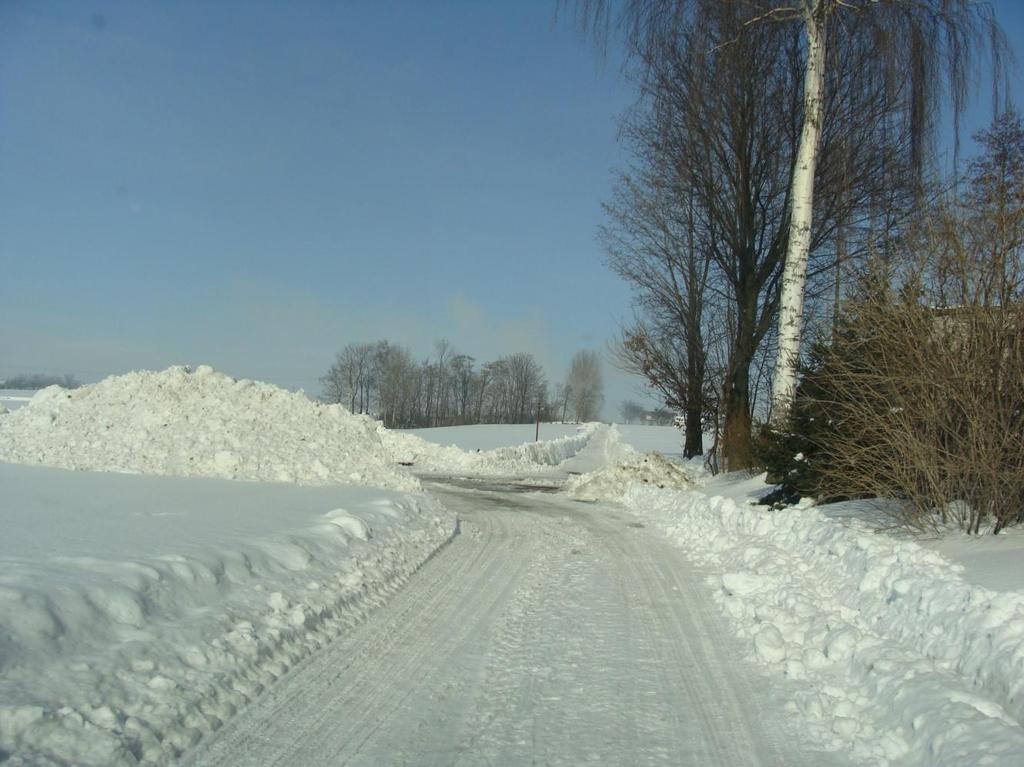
549, 632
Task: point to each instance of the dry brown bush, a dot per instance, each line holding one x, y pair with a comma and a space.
926, 406
919, 395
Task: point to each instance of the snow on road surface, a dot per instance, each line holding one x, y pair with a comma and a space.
548, 632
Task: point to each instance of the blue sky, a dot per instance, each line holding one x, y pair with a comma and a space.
253, 185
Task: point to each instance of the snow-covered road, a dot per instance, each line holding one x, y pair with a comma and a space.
548, 632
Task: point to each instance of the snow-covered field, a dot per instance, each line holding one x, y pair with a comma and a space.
667, 440
12, 399
992, 561
544, 457
492, 436
995, 562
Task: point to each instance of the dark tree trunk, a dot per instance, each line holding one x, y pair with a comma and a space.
695, 370
694, 444
736, 442
736, 450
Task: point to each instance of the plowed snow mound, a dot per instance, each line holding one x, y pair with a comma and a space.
199, 423
529, 457
612, 482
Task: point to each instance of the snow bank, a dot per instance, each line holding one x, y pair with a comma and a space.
614, 481
490, 436
199, 423
430, 457
203, 423
130, 628
898, 658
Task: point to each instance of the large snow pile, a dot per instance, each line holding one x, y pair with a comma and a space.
897, 657
199, 423
614, 481
424, 456
137, 613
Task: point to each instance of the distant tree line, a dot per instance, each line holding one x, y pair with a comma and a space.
449, 388
634, 412
40, 381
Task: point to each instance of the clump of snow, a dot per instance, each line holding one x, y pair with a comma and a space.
199, 423
429, 457
613, 482
138, 613
896, 657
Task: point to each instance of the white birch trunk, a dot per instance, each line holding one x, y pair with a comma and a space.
794, 275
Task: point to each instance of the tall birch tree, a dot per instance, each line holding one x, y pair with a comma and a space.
918, 48
921, 45
699, 224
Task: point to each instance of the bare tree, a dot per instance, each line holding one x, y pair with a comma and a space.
702, 221
563, 393
898, 53
652, 243
385, 380
630, 411
397, 376
920, 45
32, 381
585, 385
349, 379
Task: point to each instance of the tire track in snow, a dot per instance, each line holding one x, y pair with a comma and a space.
677, 634
729, 730
549, 632
366, 672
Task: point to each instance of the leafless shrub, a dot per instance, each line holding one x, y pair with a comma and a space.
920, 393
926, 406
